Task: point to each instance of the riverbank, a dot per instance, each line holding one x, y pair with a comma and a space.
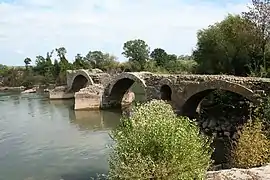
5, 88
23, 89
260, 173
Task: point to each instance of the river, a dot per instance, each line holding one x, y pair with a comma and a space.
47, 140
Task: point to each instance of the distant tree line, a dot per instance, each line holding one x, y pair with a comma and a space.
238, 45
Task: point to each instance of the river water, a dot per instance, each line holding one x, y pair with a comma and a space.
47, 140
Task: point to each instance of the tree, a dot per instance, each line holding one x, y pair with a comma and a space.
61, 53
228, 47
27, 61
259, 14
160, 56
95, 58
100, 60
80, 63
137, 51
109, 63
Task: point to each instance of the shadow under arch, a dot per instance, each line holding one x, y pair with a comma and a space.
166, 92
196, 93
120, 85
80, 80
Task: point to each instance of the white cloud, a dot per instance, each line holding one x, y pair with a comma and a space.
37, 26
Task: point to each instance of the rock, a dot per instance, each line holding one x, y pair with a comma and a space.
96, 70
228, 134
212, 124
214, 134
218, 128
205, 124
235, 136
33, 90
223, 127
261, 173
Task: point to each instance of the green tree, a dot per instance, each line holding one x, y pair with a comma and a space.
80, 62
3, 70
137, 51
95, 58
160, 56
100, 60
259, 14
228, 47
27, 61
61, 53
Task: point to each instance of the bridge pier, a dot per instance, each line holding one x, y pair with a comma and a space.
89, 98
60, 93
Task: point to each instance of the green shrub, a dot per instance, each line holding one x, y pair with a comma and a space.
253, 147
156, 144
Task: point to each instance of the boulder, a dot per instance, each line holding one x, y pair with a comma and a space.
33, 90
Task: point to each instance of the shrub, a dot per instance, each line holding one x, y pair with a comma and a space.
253, 147
156, 144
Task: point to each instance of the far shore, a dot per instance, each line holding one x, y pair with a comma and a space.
34, 89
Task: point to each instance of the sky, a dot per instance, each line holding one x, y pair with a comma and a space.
33, 27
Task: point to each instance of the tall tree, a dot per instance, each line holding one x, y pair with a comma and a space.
228, 47
160, 56
259, 14
137, 51
27, 61
80, 62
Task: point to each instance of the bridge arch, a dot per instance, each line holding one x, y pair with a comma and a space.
80, 80
121, 84
166, 90
195, 93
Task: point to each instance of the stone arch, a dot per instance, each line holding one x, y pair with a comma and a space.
80, 80
166, 93
194, 94
120, 85
165, 88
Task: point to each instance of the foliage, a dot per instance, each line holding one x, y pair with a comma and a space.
156, 144
27, 61
228, 47
159, 56
238, 45
259, 14
137, 51
253, 148
263, 113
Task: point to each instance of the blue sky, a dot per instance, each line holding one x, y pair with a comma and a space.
33, 27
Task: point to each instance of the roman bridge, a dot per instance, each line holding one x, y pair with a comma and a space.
184, 92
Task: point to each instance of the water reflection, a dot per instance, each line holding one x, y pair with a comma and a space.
95, 120
42, 139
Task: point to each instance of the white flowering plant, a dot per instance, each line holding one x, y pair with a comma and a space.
154, 143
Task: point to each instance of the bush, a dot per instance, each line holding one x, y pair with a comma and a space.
253, 147
156, 144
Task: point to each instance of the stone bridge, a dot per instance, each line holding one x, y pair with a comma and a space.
185, 92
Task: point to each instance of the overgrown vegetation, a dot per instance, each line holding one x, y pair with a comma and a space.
156, 144
253, 147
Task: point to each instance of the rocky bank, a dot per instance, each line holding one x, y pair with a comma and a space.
260, 173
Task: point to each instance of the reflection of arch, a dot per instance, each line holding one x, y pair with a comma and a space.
195, 93
120, 85
80, 80
166, 93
